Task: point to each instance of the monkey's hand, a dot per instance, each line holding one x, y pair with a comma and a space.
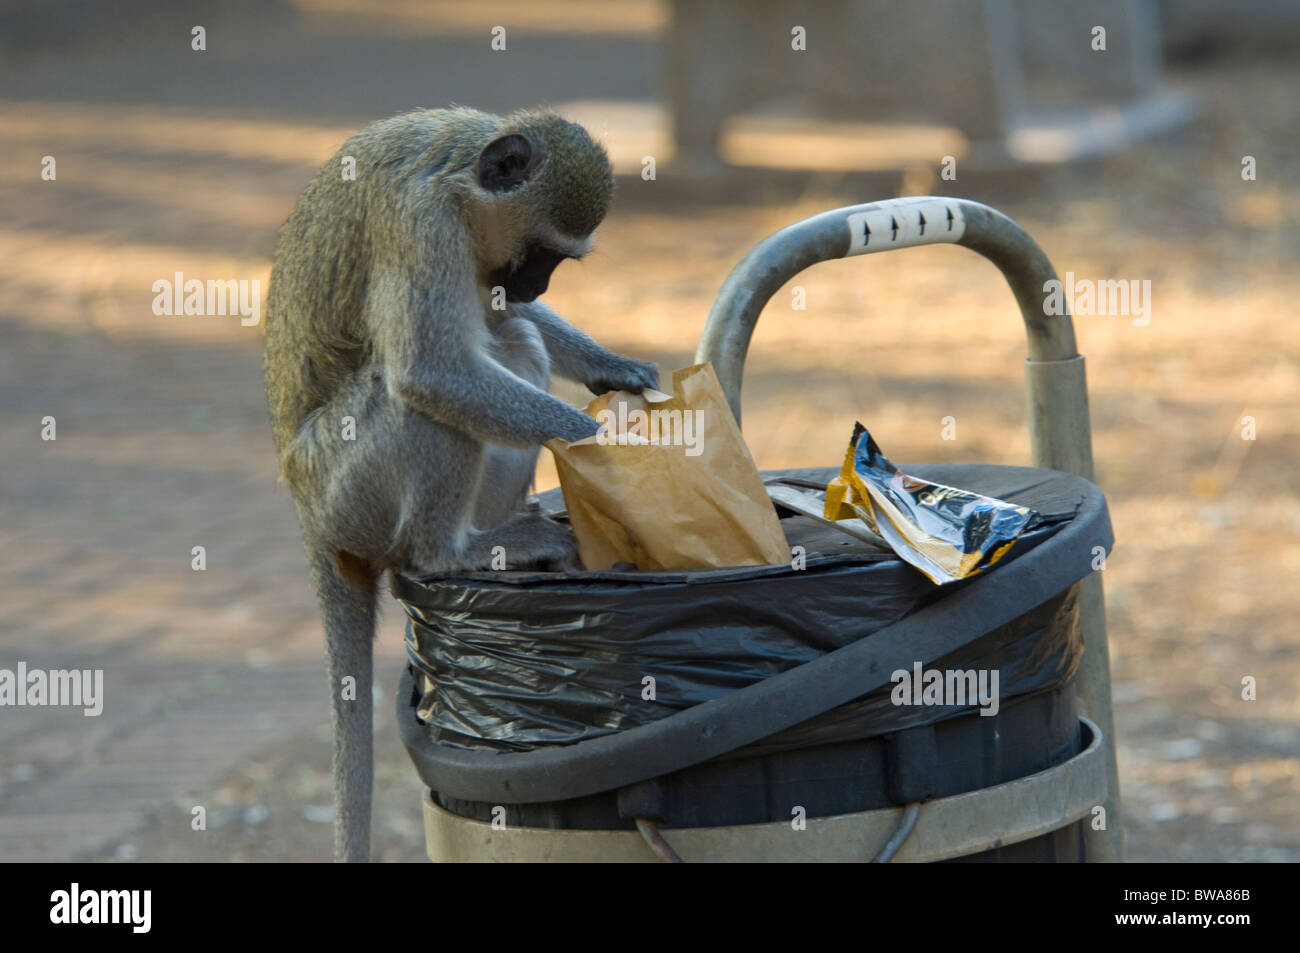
577, 357
624, 373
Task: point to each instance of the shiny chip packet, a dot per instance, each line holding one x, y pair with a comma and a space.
946, 533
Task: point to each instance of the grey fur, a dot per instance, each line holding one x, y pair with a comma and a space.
379, 310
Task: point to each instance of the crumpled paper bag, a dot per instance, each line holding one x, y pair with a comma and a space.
670, 485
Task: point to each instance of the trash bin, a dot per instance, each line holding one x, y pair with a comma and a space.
749, 713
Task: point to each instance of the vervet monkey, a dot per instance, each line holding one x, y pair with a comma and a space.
407, 361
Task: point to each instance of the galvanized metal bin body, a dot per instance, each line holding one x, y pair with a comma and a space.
962, 754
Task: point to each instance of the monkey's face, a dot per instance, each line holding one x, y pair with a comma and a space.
544, 189
529, 278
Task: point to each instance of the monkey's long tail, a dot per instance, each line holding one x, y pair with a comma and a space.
345, 589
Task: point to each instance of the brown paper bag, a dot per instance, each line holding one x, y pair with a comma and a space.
671, 485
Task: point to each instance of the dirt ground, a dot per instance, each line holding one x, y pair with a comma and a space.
216, 687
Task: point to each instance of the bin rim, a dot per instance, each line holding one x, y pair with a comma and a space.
552, 504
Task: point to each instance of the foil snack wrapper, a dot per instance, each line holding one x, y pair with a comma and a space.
946, 533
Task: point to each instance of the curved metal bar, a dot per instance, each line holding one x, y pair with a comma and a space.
898, 223
897, 839
663, 850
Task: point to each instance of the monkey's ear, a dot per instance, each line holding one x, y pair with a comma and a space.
507, 163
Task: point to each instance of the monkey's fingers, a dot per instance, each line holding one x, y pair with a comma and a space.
634, 377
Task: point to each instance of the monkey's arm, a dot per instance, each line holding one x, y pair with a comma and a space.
437, 365
482, 398
574, 355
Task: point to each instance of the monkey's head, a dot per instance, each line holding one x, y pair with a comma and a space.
542, 185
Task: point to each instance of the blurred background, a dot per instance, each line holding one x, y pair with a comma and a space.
1125, 162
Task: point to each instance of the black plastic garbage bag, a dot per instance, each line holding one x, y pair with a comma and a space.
514, 660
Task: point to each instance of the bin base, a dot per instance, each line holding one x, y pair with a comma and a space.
1047, 803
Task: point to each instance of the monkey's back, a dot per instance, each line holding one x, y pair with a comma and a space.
314, 338
337, 232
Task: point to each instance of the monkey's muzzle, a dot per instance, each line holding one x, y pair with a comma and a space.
530, 278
